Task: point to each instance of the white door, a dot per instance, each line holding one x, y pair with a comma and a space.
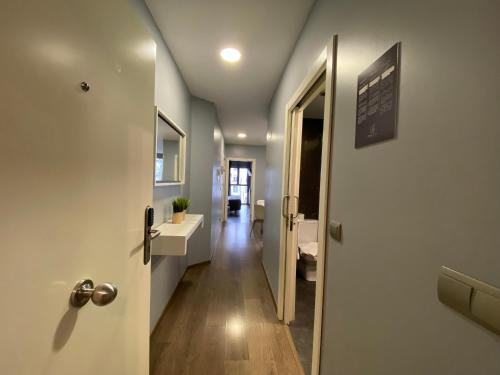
293, 196
76, 172
293, 211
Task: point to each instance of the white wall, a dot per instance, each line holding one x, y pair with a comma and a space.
409, 205
173, 97
252, 152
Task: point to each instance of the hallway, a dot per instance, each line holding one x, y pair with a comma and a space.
221, 319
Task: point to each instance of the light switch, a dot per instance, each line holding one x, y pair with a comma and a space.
473, 298
454, 293
486, 308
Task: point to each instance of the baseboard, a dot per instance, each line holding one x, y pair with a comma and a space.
175, 293
219, 236
269, 286
196, 265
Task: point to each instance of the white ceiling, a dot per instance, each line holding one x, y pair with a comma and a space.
264, 31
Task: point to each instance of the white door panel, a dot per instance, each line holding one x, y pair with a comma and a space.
76, 176
292, 230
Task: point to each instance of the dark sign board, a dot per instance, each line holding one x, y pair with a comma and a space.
377, 105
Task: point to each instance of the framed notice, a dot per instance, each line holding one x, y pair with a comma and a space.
377, 104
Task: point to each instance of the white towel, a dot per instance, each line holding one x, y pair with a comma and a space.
310, 248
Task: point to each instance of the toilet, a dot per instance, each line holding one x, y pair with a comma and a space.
307, 251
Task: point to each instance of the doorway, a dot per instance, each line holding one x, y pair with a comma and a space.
309, 126
239, 189
309, 174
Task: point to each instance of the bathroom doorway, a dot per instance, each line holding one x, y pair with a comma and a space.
305, 206
309, 175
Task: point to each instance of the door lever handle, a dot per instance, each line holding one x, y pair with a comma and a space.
297, 202
287, 198
149, 234
84, 291
155, 233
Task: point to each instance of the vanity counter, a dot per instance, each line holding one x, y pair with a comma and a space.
173, 237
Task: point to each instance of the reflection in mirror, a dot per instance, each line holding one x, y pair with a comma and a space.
170, 141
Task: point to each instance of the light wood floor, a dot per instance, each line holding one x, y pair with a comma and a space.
222, 319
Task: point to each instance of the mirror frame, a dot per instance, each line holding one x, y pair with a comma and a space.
182, 149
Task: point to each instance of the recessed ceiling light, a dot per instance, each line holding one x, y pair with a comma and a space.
242, 135
231, 55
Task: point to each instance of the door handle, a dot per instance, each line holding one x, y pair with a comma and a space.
84, 291
149, 234
293, 216
297, 201
283, 213
155, 233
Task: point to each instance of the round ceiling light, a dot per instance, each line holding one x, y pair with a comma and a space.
242, 135
231, 55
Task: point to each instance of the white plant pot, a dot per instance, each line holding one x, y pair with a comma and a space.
178, 217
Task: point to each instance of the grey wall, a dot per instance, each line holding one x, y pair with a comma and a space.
204, 124
217, 188
205, 145
428, 198
173, 97
252, 152
170, 152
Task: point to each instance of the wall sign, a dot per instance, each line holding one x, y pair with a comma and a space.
377, 105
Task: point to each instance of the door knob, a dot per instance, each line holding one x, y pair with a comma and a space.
102, 295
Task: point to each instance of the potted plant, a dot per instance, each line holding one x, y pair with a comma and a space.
180, 206
185, 202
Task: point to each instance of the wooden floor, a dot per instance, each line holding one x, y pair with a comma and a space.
222, 319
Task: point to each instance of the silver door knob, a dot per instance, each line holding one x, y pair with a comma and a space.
102, 295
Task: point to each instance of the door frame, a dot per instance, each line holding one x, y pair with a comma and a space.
294, 170
227, 159
324, 64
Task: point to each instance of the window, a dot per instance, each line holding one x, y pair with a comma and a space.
233, 176
239, 183
235, 190
243, 176
244, 195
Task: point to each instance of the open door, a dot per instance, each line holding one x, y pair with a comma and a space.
293, 194
76, 162
293, 198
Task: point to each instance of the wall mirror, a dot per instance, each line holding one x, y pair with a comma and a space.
170, 151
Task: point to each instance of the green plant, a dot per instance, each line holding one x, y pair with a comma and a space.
180, 204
